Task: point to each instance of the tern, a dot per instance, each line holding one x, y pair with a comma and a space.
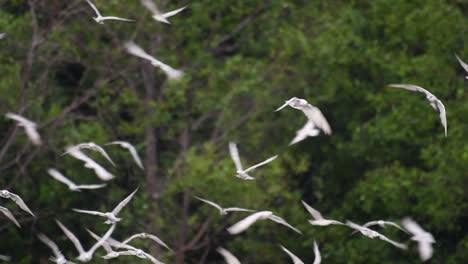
433, 101
85, 256
92, 146
100, 19
294, 258
59, 257
424, 238
157, 15
71, 185
171, 73
144, 236
382, 224
130, 148
318, 218
5, 258
245, 223
228, 256
241, 173
463, 64
102, 173
29, 127
9, 215
308, 130
15, 198
312, 113
373, 234
111, 216
224, 211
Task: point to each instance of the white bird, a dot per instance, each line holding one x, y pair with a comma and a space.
318, 218
240, 172
59, 257
171, 73
15, 198
85, 256
374, 234
433, 101
224, 211
111, 216
463, 64
157, 15
312, 113
382, 224
100, 19
144, 236
228, 256
102, 173
132, 150
9, 215
71, 185
424, 238
245, 223
91, 146
308, 130
318, 257
294, 258
30, 127
5, 258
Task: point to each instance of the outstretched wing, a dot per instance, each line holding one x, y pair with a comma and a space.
151, 6
315, 115
462, 63
60, 177
9, 215
228, 256
235, 155
123, 203
48, 242
91, 186
245, 223
286, 103
261, 163
396, 244
281, 221
117, 18
135, 50
102, 240
443, 117
94, 8
294, 258
72, 237
318, 257
21, 203
174, 12
315, 214
217, 206
411, 226
89, 212
411, 87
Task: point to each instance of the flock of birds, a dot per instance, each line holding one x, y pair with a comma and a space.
316, 123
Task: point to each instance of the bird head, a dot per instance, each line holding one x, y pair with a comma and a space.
98, 20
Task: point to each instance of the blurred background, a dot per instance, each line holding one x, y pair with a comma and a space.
386, 159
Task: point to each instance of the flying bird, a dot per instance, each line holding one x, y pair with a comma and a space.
308, 130
132, 252
318, 218
312, 113
102, 173
100, 19
15, 198
241, 173
59, 257
29, 127
374, 234
294, 258
9, 215
433, 101
245, 223
224, 211
71, 185
463, 64
85, 256
228, 256
130, 148
111, 216
158, 15
424, 238
144, 236
91, 146
171, 73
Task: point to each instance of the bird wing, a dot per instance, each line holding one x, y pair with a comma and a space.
228, 256
174, 12
123, 203
443, 117
237, 209
286, 103
117, 18
462, 63
20, 119
135, 156
103, 153
211, 203
58, 254
60, 177
235, 155
72, 237
89, 212
151, 6
294, 258
91, 186
355, 226
412, 227
315, 115
315, 214
158, 240
33, 135
371, 223
5, 258
318, 257
135, 50
396, 244
261, 163
411, 87
100, 172
425, 250
245, 223
396, 225
280, 220
105, 245
9, 215
21, 203
308, 130
102, 240
94, 8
